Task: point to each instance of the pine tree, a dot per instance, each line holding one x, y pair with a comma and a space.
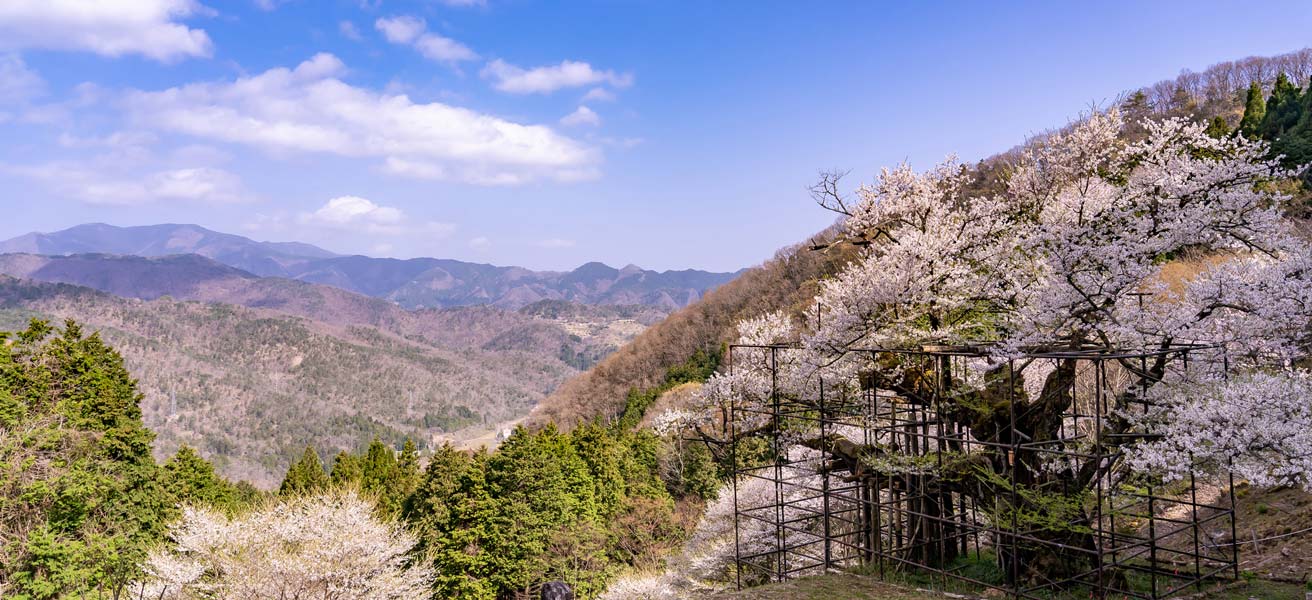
1283, 109
79, 457
1254, 111
379, 477
1218, 127
190, 479
304, 476
407, 471
428, 508
604, 458
346, 470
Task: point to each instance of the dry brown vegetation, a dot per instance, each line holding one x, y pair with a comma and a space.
787, 280
251, 387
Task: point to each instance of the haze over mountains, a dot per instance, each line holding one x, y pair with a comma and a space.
412, 283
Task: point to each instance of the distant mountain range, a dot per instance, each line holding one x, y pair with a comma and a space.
412, 283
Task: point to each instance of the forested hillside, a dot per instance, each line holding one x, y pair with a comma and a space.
250, 387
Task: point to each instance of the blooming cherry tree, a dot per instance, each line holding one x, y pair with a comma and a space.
1092, 244
325, 547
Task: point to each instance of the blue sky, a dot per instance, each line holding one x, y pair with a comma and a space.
548, 134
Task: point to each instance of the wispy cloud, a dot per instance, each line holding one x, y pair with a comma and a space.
349, 31
599, 95
207, 185
150, 28
412, 31
581, 116
18, 83
556, 243
544, 80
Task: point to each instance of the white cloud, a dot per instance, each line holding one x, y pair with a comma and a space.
443, 49
544, 80
413, 31
150, 28
599, 95
555, 243
400, 30
198, 184
480, 243
463, 3
205, 184
349, 31
356, 214
350, 210
309, 110
581, 116
18, 83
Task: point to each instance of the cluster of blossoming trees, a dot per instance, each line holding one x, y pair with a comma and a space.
1094, 243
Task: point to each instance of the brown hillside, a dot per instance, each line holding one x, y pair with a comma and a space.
787, 280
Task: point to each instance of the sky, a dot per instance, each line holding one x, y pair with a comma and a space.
549, 134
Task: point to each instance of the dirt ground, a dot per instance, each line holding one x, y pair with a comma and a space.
1280, 520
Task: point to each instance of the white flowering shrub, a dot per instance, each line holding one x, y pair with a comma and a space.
323, 548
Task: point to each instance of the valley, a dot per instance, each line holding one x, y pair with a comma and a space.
251, 369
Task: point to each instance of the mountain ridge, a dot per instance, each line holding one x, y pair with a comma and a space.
412, 283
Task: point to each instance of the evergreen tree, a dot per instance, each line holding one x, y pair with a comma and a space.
380, 477
1254, 111
428, 508
604, 458
191, 479
346, 470
1283, 109
76, 464
1218, 127
407, 471
304, 476
470, 550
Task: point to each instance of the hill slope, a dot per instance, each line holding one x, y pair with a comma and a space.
786, 281
250, 387
250, 369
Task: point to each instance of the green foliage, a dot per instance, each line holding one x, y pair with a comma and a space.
1283, 109
187, 475
304, 476
81, 498
1254, 111
1285, 120
698, 367
1218, 127
346, 469
546, 505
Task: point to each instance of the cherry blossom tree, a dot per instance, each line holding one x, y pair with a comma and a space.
322, 547
1082, 249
